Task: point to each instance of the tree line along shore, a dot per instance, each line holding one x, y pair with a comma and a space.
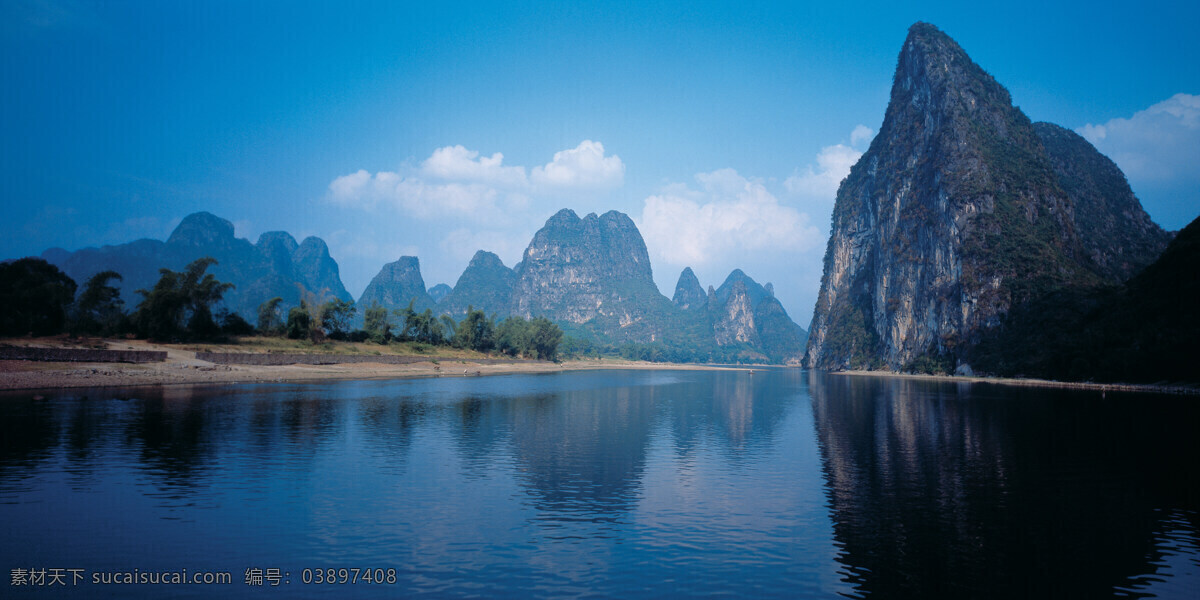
40, 300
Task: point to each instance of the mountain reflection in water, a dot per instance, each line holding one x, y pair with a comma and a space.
638, 484
953, 490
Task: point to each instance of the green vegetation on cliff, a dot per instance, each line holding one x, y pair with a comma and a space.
1143, 331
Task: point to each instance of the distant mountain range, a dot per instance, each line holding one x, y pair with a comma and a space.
591, 275
275, 266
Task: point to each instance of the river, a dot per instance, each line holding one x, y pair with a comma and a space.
604, 484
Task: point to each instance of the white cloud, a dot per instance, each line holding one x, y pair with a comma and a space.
820, 183
689, 227
348, 189
583, 166
456, 163
417, 197
457, 182
1159, 144
461, 244
861, 133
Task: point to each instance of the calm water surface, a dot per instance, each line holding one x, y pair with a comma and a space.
639, 484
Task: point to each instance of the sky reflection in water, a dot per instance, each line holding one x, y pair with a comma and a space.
612, 484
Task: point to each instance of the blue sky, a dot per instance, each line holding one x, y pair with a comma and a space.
437, 129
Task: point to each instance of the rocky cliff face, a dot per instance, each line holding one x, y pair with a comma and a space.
742, 311
591, 270
955, 214
397, 284
485, 285
733, 319
275, 266
688, 293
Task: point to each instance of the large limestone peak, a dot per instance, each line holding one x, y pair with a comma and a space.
577, 270
933, 70
275, 266
952, 216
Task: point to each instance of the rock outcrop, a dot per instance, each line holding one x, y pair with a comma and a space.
485, 285
397, 284
275, 266
956, 213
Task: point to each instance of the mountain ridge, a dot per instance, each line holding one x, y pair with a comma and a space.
592, 275
275, 266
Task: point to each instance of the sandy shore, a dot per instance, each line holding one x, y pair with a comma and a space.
1045, 383
182, 367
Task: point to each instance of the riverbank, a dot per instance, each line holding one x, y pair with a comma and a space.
1041, 383
182, 366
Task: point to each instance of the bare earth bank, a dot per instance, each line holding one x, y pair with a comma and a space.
182, 367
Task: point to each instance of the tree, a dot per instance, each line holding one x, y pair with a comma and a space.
538, 338
375, 322
512, 336
427, 328
233, 323
34, 295
299, 322
202, 291
544, 337
407, 316
160, 313
336, 315
178, 298
269, 321
476, 331
98, 309
447, 328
